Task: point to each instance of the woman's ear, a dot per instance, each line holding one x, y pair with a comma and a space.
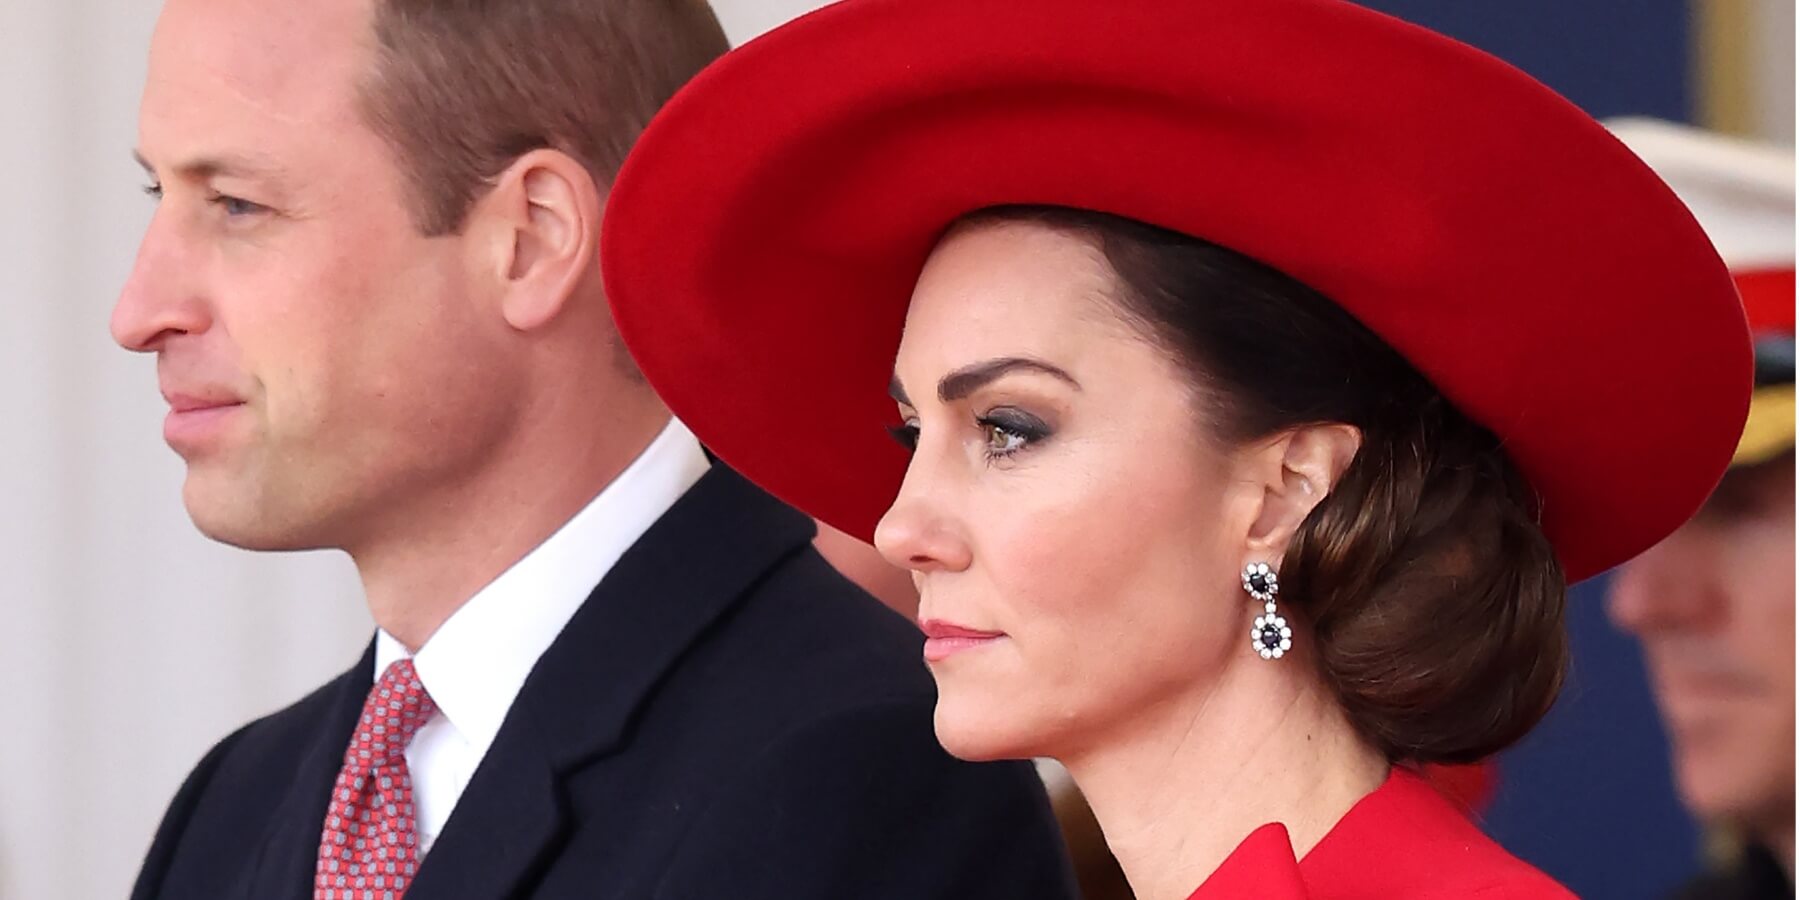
1297, 470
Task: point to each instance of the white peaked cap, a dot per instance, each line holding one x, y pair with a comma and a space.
1741, 191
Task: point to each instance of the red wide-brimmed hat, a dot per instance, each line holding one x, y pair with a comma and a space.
763, 239
1742, 193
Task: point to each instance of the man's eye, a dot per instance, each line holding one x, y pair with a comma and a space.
236, 206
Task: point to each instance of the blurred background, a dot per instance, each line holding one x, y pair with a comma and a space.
129, 643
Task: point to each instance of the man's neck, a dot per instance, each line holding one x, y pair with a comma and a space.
431, 557
1177, 791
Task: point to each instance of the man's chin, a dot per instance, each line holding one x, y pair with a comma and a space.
229, 518
1717, 787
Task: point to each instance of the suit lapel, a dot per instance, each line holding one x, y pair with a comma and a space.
686, 572
507, 822
289, 857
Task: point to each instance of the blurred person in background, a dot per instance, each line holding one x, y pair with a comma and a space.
1714, 602
605, 666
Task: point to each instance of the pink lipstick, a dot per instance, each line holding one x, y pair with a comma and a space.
945, 639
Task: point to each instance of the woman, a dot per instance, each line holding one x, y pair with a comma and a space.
1241, 359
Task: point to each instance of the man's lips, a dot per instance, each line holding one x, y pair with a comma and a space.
197, 420
184, 403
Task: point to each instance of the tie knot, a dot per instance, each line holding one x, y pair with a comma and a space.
397, 707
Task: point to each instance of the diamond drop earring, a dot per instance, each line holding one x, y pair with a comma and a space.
1270, 635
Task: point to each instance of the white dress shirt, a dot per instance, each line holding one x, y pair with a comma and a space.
475, 663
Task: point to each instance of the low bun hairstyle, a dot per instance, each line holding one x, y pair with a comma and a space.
1434, 599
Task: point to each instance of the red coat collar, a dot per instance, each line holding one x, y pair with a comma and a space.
1402, 841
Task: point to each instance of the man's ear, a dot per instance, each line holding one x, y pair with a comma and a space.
538, 230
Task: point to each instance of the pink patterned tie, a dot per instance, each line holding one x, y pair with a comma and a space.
370, 848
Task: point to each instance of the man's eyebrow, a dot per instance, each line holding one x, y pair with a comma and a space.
200, 168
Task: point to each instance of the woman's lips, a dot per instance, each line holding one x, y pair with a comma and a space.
946, 639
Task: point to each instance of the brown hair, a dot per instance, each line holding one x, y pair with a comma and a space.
1435, 601
461, 88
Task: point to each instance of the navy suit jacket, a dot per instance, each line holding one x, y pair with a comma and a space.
725, 717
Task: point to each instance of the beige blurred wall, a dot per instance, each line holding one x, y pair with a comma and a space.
127, 642
1743, 67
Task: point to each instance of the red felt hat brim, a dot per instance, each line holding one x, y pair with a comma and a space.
763, 239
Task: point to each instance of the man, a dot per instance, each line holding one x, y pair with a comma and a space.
1714, 603
605, 667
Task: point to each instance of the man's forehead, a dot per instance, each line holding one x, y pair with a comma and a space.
296, 62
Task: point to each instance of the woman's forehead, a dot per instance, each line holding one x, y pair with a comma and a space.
1018, 278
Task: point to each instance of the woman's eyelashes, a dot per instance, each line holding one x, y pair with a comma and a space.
1010, 431
1005, 431
907, 434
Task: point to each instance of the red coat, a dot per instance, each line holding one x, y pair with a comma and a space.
1402, 842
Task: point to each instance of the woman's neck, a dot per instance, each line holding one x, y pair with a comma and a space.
1178, 787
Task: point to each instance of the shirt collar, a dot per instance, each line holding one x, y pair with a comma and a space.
476, 662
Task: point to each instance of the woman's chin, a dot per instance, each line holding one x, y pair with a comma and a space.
981, 734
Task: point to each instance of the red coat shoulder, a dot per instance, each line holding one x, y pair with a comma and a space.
1402, 842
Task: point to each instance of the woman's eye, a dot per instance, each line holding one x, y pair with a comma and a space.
907, 434
153, 190
1004, 433
1009, 431
1001, 440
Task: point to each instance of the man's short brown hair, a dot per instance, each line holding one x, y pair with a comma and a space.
461, 88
